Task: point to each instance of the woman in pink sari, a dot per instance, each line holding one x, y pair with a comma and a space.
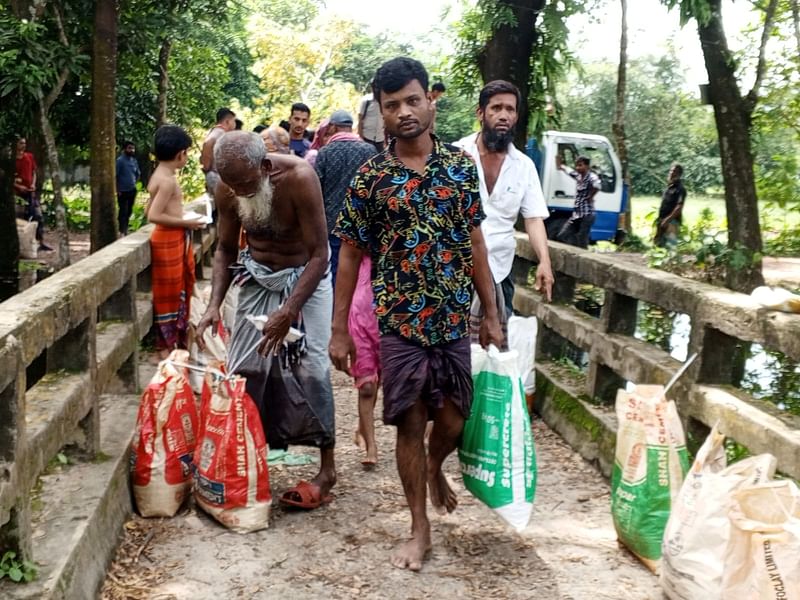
321, 137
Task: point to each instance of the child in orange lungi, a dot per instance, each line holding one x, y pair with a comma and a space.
172, 255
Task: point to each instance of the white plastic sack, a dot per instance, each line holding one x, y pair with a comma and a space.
762, 560
776, 298
216, 352
28, 244
522, 338
498, 463
698, 529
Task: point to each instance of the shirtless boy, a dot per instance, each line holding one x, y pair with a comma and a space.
172, 258
226, 121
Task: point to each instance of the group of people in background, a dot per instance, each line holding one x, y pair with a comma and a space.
389, 248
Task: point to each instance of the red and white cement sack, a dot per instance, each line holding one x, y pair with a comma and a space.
231, 458
164, 441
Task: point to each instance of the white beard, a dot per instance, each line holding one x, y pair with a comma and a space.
256, 211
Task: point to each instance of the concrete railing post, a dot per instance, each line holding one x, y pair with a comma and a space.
721, 358
121, 306
15, 531
548, 342
618, 315
76, 352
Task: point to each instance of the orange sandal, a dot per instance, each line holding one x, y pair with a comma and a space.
305, 495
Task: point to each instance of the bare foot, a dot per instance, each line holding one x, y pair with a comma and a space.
371, 459
326, 477
410, 555
443, 497
359, 440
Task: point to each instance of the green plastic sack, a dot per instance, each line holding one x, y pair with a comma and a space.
649, 466
498, 462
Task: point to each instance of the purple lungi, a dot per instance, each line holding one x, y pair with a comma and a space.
431, 373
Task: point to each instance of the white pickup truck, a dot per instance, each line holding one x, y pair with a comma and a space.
559, 188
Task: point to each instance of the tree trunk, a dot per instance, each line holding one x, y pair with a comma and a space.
796, 23
102, 137
507, 55
54, 163
163, 81
9, 242
732, 117
618, 127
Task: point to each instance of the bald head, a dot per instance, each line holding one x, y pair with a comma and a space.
238, 156
276, 139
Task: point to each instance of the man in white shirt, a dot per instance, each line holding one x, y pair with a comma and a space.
509, 187
370, 122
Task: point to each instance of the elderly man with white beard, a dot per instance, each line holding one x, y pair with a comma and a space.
283, 273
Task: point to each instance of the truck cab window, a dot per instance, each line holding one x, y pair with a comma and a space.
602, 165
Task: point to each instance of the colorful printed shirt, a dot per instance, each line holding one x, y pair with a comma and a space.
417, 230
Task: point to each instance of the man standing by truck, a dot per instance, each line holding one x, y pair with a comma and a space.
577, 229
509, 186
669, 213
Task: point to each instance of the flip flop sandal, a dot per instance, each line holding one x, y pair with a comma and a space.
308, 494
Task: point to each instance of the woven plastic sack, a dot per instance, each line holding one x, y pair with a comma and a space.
522, 338
28, 244
164, 441
216, 346
498, 462
762, 560
649, 465
698, 529
231, 458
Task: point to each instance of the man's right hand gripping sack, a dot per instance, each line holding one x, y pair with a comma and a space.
231, 457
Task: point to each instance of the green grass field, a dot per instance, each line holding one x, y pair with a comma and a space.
645, 209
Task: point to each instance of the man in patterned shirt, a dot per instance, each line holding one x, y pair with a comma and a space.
416, 209
576, 230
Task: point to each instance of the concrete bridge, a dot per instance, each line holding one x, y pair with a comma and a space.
70, 370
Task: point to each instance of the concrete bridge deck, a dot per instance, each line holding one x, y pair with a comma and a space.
69, 361
569, 551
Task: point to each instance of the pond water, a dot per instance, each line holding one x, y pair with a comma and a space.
666, 329
31, 273
768, 375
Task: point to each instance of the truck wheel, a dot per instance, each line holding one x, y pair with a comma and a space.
620, 237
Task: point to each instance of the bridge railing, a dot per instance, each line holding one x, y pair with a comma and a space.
722, 323
61, 344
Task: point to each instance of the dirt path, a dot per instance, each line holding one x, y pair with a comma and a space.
342, 550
